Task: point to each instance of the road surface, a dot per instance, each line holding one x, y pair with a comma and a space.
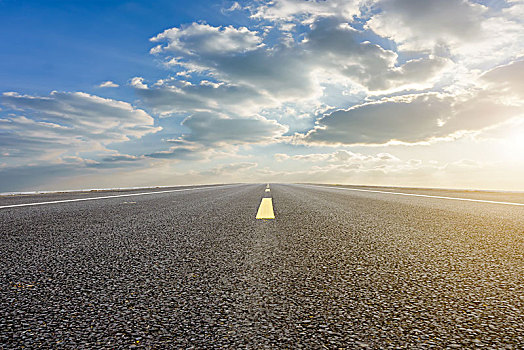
351, 268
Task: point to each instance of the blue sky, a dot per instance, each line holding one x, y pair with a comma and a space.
68, 45
100, 94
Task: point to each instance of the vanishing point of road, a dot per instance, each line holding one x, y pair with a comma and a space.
322, 267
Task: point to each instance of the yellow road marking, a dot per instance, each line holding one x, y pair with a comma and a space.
267, 186
267, 189
265, 211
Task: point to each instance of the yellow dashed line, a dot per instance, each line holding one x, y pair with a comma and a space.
267, 189
265, 211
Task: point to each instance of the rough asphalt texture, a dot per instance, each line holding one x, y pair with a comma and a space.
335, 269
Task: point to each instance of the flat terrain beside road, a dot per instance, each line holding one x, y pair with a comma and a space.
336, 268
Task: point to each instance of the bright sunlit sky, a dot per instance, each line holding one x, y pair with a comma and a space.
98, 94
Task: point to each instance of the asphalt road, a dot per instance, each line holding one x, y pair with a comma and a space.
336, 268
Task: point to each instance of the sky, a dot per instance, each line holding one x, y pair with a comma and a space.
416, 93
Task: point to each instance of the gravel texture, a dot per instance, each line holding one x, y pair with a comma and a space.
335, 269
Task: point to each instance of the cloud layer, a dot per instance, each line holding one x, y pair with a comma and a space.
327, 76
63, 122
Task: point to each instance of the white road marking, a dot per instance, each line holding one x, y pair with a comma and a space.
107, 197
420, 195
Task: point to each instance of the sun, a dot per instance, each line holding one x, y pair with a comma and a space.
514, 140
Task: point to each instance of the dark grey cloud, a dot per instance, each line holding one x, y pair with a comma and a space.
178, 153
172, 96
284, 73
209, 132
412, 118
212, 129
346, 51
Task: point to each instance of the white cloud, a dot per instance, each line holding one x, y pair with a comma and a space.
344, 51
246, 80
117, 157
108, 84
203, 39
515, 11
236, 6
138, 82
341, 157
472, 34
347, 167
252, 80
424, 24
89, 115
382, 73
69, 122
290, 10
230, 169
508, 79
